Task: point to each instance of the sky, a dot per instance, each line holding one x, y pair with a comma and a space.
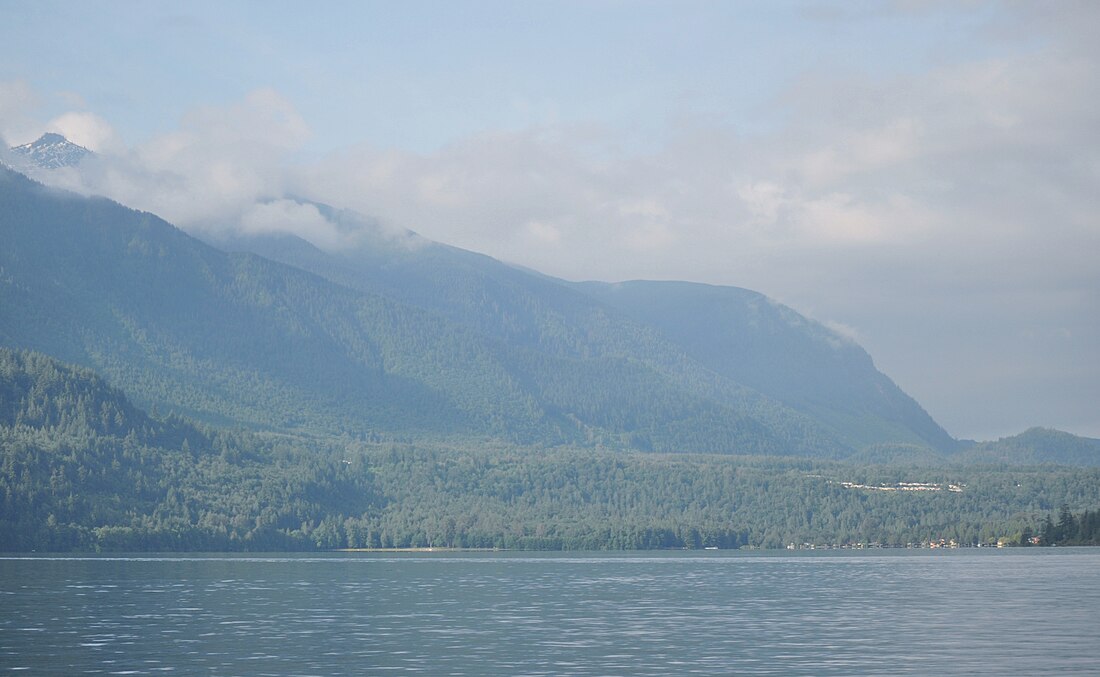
921, 176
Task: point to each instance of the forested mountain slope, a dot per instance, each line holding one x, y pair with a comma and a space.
739, 335
767, 346
82, 468
236, 338
37, 391
183, 325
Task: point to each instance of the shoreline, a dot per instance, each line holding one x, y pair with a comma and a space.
419, 549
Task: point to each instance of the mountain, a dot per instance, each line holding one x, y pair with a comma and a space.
769, 347
52, 151
740, 335
238, 339
234, 339
399, 336
1035, 446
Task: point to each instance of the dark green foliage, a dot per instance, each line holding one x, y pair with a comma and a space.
1081, 529
82, 468
579, 500
36, 391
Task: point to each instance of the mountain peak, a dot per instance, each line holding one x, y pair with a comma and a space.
52, 151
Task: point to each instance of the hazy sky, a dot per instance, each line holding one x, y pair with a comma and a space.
922, 175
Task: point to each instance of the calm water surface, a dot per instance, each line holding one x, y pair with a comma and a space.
846, 613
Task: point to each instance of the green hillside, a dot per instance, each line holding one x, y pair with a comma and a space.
1037, 445
767, 346
235, 338
695, 332
83, 468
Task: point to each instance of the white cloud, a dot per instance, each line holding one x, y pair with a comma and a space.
264, 118
543, 233
861, 151
291, 217
211, 175
838, 217
88, 130
844, 331
763, 199
17, 102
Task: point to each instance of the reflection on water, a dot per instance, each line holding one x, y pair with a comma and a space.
1018, 612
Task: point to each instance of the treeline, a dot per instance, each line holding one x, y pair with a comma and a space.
250, 493
568, 499
81, 468
1081, 529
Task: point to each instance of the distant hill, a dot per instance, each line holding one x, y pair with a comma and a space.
1035, 446
38, 392
82, 468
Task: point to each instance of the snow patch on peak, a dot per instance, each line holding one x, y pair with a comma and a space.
52, 151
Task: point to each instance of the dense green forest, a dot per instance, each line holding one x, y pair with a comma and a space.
82, 468
1070, 529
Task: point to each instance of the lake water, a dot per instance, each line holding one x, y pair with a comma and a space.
995, 612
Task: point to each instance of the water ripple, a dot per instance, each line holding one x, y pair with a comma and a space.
507, 614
